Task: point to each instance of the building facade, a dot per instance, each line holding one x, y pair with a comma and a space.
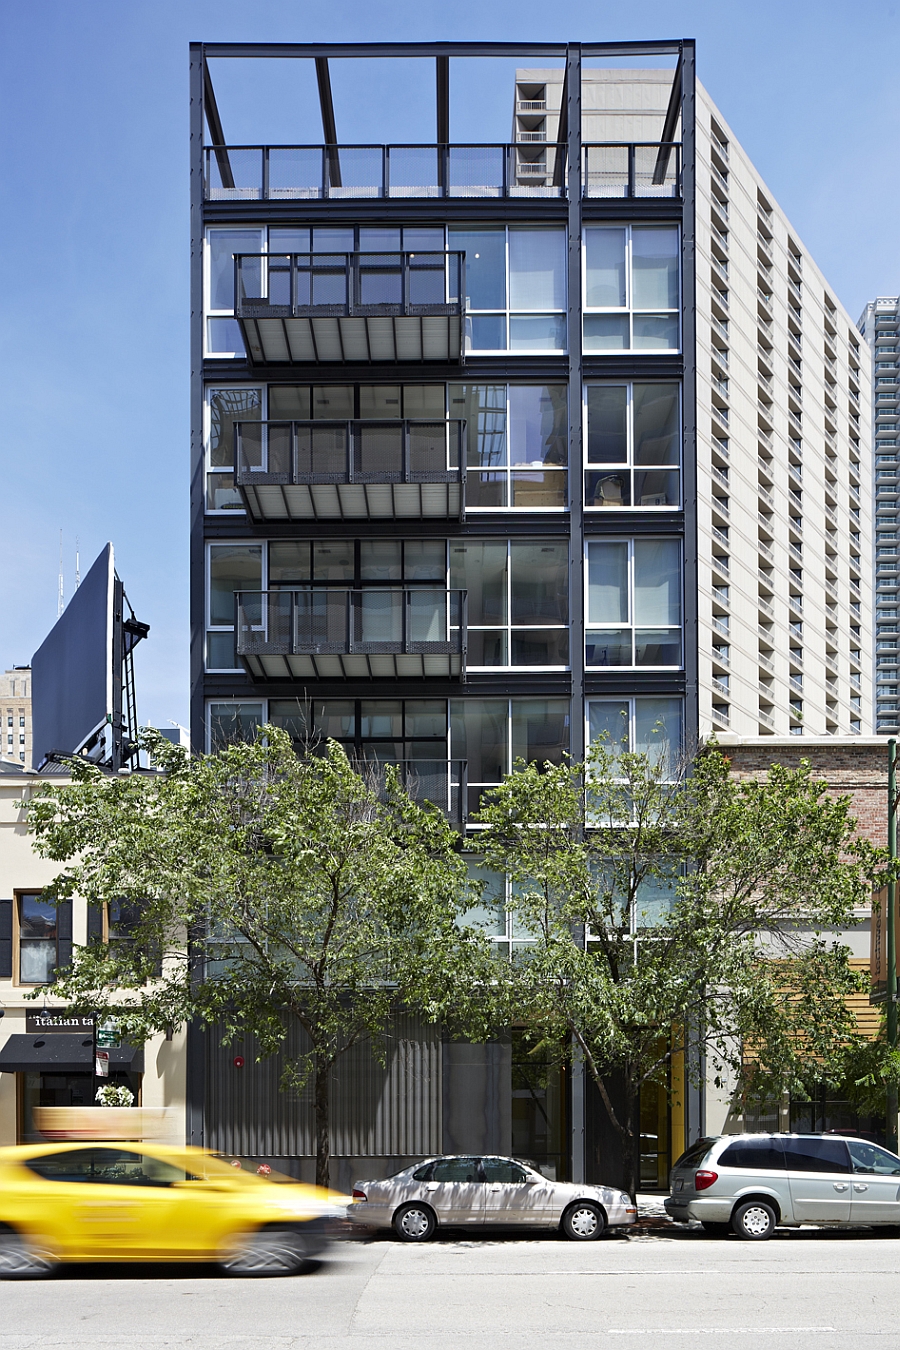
46, 1056
15, 711
496, 448
880, 326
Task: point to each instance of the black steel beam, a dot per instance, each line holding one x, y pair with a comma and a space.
216, 134
329, 129
673, 112
442, 90
281, 50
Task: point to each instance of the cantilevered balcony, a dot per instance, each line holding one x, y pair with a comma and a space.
390, 632
356, 470
254, 173
360, 307
632, 170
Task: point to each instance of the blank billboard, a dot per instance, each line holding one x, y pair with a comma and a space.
72, 670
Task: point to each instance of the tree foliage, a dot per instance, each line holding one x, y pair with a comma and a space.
267, 887
703, 911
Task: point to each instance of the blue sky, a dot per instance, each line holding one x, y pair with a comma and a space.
94, 306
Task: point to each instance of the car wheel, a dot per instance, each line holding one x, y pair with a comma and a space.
414, 1223
270, 1251
716, 1229
584, 1222
18, 1261
754, 1220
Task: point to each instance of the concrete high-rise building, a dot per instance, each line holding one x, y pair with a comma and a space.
880, 326
784, 615
15, 716
498, 447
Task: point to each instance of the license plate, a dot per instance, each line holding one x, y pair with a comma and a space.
679, 1184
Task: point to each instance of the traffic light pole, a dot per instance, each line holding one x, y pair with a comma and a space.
891, 1104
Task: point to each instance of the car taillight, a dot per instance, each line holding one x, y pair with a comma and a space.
703, 1180
358, 1195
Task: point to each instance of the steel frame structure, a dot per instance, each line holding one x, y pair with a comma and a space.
572, 210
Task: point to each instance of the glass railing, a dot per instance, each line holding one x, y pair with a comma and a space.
391, 621
352, 172
357, 451
282, 285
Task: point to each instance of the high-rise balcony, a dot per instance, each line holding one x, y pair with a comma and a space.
356, 470
342, 307
390, 632
254, 173
632, 170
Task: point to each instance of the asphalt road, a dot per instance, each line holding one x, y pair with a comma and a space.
663, 1289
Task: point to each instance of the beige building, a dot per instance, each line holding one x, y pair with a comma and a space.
53, 1065
784, 454
15, 711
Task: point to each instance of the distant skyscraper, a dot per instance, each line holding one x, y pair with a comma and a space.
880, 326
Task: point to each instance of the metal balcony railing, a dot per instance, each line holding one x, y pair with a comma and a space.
339, 301
351, 470
366, 172
375, 632
632, 170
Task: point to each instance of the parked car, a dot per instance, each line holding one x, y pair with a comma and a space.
748, 1184
137, 1202
464, 1191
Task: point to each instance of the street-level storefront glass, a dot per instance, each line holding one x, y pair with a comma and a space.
62, 1089
539, 1115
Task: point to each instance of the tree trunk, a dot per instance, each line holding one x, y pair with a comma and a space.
323, 1135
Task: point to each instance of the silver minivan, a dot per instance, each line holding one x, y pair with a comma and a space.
750, 1183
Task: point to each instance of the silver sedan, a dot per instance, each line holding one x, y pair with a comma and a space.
466, 1191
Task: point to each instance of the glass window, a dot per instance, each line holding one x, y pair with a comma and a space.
491, 733
232, 567
654, 267
222, 247
232, 722
457, 1169
762, 1154
107, 1166
227, 406
38, 932
647, 725
503, 1170
517, 601
604, 252
634, 603
537, 270
870, 1158
633, 445
631, 288
816, 1154
515, 287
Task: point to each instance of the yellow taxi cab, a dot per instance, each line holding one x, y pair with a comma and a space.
154, 1202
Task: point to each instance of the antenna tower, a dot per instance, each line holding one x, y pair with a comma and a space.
60, 602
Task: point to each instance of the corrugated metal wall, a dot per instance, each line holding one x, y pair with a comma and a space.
392, 1110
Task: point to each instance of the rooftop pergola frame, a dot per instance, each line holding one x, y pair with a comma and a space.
441, 54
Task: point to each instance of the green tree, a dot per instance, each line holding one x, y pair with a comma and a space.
672, 908
268, 887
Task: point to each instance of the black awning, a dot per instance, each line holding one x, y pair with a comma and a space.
63, 1053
